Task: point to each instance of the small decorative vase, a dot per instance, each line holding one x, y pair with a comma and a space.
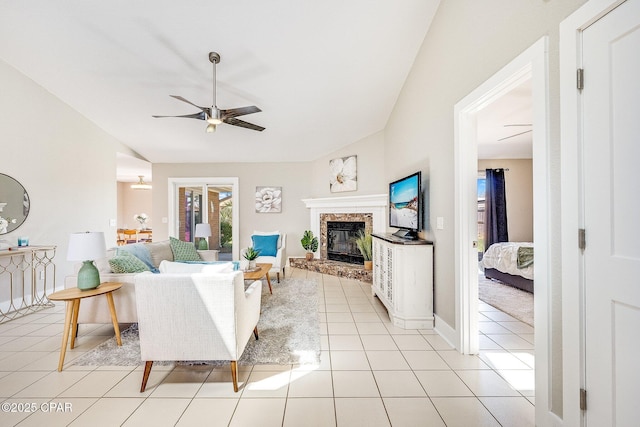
203, 245
252, 264
309, 256
88, 276
368, 265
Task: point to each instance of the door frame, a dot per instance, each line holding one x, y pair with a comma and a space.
530, 64
572, 189
175, 183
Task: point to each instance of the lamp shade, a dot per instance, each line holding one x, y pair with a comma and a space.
203, 230
89, 245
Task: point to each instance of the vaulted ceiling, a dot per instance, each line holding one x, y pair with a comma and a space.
325, 74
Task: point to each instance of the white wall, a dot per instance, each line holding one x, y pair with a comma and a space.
467, 43
66, 164
371, 179
294, 178
298, 181
519, 192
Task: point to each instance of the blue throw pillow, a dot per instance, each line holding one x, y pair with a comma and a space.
267, 245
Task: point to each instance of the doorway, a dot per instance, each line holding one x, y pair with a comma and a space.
530, 65
206, 200
134, 202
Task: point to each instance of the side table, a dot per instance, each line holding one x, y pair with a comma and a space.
72, 296
263, 271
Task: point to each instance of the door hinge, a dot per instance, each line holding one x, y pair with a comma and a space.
580, 78
583, 399
582, 239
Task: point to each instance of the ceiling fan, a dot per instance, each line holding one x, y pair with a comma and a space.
519, 133
215, 116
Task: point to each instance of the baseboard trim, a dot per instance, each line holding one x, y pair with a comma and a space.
445, 331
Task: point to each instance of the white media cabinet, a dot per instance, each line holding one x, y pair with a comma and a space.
403, 280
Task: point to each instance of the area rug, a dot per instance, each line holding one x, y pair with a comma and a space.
289, 332
514, 302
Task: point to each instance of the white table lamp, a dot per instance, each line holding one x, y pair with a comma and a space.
203, 231
87, 247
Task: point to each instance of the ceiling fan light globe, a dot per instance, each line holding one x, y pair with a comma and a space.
213, 116
211, 128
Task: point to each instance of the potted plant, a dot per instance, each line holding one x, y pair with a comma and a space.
309, 243
364, 242
142, 218
250, 254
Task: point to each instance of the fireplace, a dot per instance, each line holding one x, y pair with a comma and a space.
370, 210
340, 241
341, 234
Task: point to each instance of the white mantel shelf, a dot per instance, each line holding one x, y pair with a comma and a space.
375, 204
349, 202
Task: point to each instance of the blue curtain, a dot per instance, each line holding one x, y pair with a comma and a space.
495, 208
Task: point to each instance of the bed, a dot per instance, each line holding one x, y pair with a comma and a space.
510, 263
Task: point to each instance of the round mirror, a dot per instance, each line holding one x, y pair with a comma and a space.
14, 204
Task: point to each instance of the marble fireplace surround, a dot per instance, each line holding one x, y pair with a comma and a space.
367, 218
371, 209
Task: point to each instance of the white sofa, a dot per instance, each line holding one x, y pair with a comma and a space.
196, 316
95, 310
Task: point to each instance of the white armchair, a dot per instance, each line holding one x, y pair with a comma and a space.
277, 257
195, 317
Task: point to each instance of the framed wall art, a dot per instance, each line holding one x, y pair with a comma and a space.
343, 174
268, 199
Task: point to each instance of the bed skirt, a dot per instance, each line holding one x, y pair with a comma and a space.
509, 279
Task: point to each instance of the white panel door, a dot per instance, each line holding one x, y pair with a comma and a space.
611, 178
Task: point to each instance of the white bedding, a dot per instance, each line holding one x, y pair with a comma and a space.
504, 257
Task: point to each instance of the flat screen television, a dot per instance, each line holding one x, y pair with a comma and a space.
405, 205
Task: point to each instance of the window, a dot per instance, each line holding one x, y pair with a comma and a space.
210, 200
481, 195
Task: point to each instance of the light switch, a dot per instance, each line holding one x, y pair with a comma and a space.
112, 222
440, 223
164, 220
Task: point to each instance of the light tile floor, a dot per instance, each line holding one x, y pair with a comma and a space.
371, 373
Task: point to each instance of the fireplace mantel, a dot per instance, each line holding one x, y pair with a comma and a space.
349, 202
375, 204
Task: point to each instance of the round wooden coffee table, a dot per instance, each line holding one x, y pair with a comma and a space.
72, 296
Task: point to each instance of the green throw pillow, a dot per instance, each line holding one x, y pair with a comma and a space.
125, 262
183, 251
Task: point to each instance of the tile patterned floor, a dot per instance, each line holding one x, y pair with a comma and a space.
371, 374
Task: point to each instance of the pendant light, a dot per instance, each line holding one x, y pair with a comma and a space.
141, 185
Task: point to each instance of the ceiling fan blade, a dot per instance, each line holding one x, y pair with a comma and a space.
235, 112
213, 115
201, 116
513, 136
243, 124
179, 98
